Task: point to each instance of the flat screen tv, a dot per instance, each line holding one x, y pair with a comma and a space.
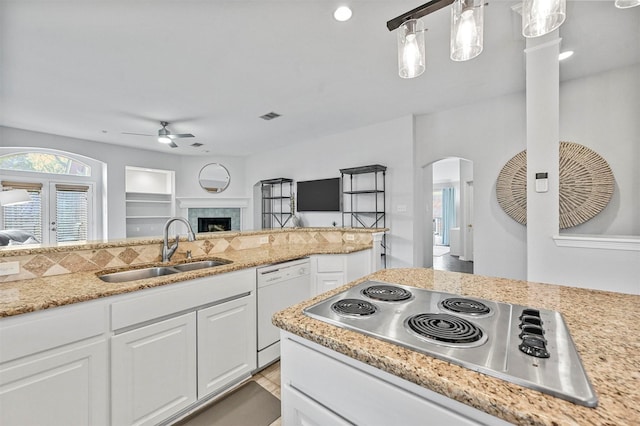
321, 195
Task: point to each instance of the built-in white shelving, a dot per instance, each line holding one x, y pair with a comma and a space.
149, 200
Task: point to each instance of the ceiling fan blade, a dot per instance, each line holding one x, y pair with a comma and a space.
136, 134
183, 135
172, 144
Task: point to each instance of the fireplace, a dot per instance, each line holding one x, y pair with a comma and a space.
214, 224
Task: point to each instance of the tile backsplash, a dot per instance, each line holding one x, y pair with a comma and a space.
58, 261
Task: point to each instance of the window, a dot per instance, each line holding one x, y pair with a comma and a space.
25, 217
66, 192
42, 162
72, 212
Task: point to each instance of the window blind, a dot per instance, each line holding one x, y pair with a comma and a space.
72, 212
25, 217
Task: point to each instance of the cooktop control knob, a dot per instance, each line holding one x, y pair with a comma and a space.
530, 313
534, 346
529, 320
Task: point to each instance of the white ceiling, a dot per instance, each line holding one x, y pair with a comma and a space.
92, 69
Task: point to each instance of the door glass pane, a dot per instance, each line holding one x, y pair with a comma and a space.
25, 217
71, 214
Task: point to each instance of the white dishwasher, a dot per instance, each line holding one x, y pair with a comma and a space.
279, 286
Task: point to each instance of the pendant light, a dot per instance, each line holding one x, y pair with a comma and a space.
625, 4
411, 56
540, 17
466, 29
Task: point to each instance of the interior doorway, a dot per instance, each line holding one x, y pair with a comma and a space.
452, 215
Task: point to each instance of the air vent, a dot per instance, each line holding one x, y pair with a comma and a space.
270, 116
196, 144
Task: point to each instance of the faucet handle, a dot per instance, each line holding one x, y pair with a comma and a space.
188, 254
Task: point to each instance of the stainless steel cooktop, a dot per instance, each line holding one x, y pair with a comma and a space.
527, 346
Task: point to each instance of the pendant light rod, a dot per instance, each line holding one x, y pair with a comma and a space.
418, 13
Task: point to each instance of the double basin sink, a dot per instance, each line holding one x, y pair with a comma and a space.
159, 271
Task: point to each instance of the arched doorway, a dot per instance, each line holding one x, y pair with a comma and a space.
448, 225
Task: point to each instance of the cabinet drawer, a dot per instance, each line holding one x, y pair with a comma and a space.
331, 263
409, 408
26, 334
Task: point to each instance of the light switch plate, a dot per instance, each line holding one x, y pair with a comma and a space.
9, 268
349, 237
264, 240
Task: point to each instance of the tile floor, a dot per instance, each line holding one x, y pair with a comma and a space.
269, 378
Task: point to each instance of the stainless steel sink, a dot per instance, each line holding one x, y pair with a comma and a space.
137, 274
202, 264
140, 274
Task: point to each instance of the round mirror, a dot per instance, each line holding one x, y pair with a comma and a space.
214, 177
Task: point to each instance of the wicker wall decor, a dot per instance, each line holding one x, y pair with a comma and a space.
586, 185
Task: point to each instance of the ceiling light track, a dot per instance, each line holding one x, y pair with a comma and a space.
418, 13
539, 17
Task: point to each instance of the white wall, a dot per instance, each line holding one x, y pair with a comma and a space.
492, 132
598, 111
389, 143
602, 112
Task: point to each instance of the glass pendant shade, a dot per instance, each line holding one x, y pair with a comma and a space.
625, 4
540, 17
411, 57
466, 29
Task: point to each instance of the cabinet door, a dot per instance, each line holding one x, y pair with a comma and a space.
153, 371
328, 281
298, 410
226, 343
65, 386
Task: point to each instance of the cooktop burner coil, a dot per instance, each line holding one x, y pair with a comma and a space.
462, 305
387, 293
354, 308
446, 329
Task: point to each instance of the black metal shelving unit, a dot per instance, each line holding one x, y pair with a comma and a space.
370, 197
276, 202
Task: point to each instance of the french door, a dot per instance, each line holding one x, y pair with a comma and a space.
58, 211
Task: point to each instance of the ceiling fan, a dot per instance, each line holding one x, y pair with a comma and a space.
164, 135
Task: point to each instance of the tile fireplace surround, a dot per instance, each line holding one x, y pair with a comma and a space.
47, 261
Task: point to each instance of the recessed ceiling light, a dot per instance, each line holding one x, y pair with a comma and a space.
343, 13
564, 55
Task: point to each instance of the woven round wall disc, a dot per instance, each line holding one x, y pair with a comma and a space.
586, 185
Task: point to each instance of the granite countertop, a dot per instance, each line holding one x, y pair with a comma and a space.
19, 297
603, 325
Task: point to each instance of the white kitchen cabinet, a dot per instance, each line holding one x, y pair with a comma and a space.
226, 344
330, 271
177, 345
54, 367
301, 410
153, 371
309, 372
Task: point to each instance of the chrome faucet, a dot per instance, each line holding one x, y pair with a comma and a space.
167, 251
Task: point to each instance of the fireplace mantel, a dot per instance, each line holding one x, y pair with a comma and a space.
206, 202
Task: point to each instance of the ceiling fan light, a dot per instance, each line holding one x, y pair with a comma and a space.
625, 4
540, 17
164, 139
467, 29
411, 56
342, 14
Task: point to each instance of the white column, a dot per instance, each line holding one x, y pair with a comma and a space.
543, 98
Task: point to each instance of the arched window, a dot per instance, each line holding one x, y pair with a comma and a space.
42, 162
65, 191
